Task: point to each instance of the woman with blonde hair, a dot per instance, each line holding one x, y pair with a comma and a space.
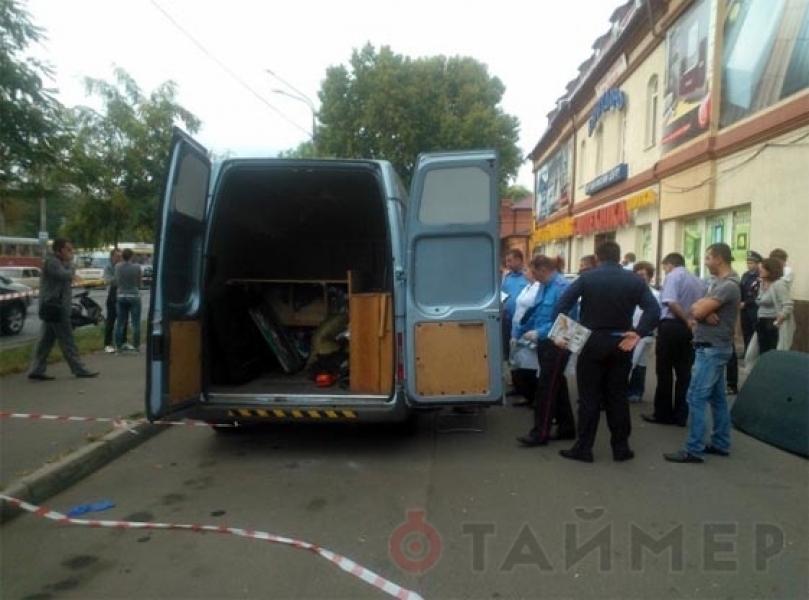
776, 325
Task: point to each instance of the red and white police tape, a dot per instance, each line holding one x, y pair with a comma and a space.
10, 295
117, 422
346, 564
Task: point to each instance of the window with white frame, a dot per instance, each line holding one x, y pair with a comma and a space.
620, 131
651, 111
599, 163
582, 164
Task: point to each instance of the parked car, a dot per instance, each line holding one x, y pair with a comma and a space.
28, 276
90, 277
15, 298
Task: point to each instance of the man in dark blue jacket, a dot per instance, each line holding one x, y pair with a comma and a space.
609, 295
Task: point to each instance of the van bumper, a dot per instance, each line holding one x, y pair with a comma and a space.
369, 410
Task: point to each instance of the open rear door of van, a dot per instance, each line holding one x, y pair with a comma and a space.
453, 344
174, 352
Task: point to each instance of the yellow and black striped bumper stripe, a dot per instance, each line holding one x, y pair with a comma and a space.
305, 413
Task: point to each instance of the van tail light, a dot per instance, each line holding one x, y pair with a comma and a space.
400, 367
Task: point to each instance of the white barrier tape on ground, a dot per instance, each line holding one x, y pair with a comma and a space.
9, 296
346, 564
117, 422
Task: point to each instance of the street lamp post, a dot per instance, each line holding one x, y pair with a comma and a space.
307, 102
300, 97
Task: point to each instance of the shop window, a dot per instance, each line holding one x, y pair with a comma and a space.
600, 238
717, 231
693, 246
645, 243
651, 111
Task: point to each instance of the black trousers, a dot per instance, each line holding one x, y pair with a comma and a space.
749, 317
552, 395
674, 358
112, 316
525, 383
767, 334
732, 369
602, 374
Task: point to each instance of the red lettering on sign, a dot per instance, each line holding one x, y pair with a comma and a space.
605, 218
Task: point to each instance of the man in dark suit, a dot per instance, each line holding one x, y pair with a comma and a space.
609, 294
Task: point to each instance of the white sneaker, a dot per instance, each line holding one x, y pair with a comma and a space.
128, 347
110, 349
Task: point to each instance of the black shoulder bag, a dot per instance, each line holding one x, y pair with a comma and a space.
52, 310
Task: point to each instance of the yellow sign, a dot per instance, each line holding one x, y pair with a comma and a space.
554, 231
642, 199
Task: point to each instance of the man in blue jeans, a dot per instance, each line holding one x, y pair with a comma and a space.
128, 282
713, 319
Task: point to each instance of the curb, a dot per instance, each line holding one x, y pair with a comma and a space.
52, 478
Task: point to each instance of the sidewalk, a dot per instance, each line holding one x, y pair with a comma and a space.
39, 458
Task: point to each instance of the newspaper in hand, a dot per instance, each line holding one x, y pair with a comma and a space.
567, 330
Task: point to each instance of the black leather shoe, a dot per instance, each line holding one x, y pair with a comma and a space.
40, 377
580, 455
564, 435
681, 456
531, 442
86, 374
623, 455
709, 449
656, 420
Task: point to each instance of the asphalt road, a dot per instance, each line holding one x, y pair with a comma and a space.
30, 331
446, 514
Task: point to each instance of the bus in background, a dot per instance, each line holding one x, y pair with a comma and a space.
21, 252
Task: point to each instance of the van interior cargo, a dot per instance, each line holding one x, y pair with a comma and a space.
298, 283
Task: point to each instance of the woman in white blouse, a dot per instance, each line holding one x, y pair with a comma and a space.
522, 355
775, 326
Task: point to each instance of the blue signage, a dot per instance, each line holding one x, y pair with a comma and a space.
612, 99
605, 180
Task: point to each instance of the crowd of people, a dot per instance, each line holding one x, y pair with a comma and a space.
123, 278
690, 323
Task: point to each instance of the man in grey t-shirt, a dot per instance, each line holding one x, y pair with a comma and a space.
128, 281
713, 318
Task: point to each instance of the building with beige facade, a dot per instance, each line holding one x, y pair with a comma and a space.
688, 125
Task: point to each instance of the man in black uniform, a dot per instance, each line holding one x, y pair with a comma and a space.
609, 294
750, 285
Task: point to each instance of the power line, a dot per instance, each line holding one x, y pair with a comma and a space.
224, 67
721, 175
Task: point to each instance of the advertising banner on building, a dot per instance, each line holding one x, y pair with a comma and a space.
553, 183
765, 57
689, 56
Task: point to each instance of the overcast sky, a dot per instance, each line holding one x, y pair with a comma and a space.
533, 46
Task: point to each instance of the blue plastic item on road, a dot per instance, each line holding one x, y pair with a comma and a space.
83, 509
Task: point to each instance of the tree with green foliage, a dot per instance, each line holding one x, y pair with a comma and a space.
516, 192
391, 107
303, 150
117, 163
32, 134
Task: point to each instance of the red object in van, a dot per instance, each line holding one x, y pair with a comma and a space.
325, 379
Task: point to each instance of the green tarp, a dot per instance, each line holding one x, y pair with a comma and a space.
773, 404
